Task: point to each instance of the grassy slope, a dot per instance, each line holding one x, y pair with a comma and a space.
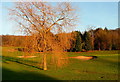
105, 67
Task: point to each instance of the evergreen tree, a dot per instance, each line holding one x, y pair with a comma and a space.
105, 29
87, 41
78, 44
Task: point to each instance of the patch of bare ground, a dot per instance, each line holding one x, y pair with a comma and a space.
11, 50
84, 57
26, 56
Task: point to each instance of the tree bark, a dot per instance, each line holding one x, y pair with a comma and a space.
44, 62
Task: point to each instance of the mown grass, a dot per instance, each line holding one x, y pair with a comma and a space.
105, 67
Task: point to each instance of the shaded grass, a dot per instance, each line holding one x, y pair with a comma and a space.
105, 67
21, 75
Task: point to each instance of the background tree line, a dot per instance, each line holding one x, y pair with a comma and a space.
98, 39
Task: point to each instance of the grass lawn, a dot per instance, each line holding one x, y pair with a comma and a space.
105, 67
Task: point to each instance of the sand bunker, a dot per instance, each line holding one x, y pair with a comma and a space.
26, 56
84, 57
11, 50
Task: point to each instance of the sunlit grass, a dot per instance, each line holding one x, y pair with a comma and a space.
105, 67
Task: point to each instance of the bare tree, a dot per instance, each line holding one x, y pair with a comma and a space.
41, 21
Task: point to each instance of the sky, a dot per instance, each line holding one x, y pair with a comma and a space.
98, 14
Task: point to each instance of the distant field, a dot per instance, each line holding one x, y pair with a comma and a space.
105, 67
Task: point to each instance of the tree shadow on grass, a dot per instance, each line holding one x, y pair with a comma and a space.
12, 75
20, 61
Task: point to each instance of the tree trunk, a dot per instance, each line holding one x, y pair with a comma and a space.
44, 62
110, 48
99, 46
